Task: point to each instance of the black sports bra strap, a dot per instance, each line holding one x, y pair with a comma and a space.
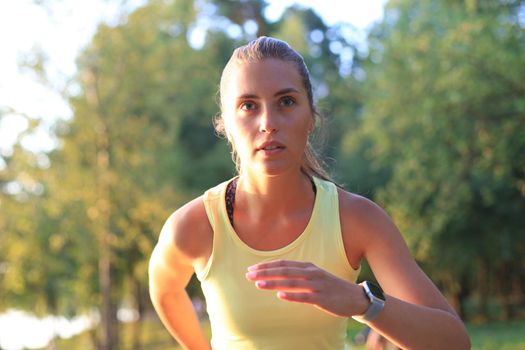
230, 197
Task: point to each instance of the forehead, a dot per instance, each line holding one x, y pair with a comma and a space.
262, 78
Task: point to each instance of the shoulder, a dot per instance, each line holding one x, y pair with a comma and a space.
370, 233
187, 231
352, 204
361, 211
184, 242
365, 224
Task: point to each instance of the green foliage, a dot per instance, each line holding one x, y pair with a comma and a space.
442, 132
430, 123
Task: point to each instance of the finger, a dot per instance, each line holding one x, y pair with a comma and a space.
287, 285
279, 273
302, 297
279, 263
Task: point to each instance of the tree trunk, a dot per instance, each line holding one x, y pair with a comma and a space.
108, 326
139, 307
463, 294
483, 279
504, 291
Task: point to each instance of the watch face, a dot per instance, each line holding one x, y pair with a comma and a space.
375, 290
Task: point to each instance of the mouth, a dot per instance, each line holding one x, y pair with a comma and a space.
269, 146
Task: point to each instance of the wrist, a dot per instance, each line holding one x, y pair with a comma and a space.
361, 302
375, 301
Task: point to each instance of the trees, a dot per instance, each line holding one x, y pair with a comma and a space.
429, 123
140, 143
443, 120
130, 136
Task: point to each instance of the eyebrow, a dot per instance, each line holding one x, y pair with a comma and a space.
285, 91
278, 93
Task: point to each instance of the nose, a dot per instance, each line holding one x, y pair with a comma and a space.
268, 122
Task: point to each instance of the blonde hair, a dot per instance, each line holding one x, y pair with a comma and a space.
258, 50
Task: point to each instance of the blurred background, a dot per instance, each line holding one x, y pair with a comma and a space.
106, 114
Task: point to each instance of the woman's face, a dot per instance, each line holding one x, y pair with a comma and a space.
267, 116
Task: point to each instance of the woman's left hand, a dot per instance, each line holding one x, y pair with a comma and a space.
304, 282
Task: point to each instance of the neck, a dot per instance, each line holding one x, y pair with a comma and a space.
263, 195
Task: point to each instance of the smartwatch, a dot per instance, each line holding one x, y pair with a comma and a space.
375, 294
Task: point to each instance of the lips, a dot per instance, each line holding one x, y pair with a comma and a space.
270, 146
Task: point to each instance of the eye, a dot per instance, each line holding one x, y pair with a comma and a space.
248, 106
286, 101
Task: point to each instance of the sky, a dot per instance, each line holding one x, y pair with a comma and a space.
61, 32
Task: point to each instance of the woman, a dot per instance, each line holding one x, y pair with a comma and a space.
278, 248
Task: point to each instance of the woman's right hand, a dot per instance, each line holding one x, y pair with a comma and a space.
304, 282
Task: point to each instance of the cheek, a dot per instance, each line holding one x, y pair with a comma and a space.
234, 130
237, 136
230, 126
303, 130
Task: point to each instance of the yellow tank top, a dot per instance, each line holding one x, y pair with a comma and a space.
244, 317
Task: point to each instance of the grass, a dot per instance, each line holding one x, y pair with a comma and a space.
489, 336
498, 335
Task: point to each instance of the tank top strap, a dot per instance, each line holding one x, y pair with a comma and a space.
214, 201
332, 237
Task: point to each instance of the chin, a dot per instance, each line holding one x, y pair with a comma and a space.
272, 170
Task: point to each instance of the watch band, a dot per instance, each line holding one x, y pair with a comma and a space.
377, 302
373, 310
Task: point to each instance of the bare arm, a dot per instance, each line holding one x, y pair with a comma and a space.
416, 315
180, 246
